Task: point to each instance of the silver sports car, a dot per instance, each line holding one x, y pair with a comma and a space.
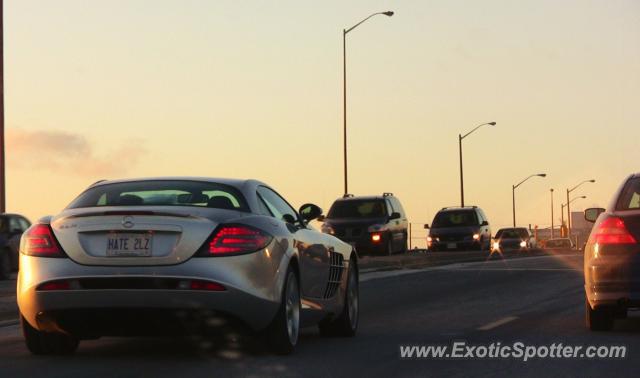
130, 257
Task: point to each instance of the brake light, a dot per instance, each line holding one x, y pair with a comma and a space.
40, 241
611, 231
376, 237
206, 286
54, 285
237, 239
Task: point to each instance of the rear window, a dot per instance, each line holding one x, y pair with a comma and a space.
162, 193
512, 233
630, 197
358, 209
462, 218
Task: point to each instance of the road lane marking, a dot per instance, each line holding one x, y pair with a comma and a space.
10, 322
497, 323
10, 331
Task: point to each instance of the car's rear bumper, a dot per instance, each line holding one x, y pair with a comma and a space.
615, 282
365, 245
252, 288
454, 245
613, 295
120, 313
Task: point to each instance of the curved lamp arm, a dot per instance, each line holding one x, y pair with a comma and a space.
387, 13
477, 127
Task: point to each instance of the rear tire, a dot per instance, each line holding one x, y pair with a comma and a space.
346, 325
599, 319
5, 264
405, 244
390, 245
284, 329
43, 343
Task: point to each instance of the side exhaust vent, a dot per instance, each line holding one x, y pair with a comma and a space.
335, 274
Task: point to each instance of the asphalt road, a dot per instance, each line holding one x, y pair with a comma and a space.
536, 301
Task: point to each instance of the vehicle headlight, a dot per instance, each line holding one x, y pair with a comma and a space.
377, 228
327, 229
476, 236
429, 239
496, 245
523, 244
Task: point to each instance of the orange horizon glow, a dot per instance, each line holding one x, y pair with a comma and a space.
254, 90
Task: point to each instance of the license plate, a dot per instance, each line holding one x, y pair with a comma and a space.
129, 245
451, 245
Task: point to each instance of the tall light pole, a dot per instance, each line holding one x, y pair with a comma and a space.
513, 193
344, 89
563, 205
552, 231
569, 202
460, 138
3, 182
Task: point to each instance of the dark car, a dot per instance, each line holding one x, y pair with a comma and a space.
612, 258
11, 228
515, 238
373, 224
459, 228
559, 245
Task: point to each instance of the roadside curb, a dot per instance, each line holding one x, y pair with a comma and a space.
427, 263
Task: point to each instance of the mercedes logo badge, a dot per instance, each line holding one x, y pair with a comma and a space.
127, 221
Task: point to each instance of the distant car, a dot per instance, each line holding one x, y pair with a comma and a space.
459, 228
147, 256
513, 239
373, 224
11, 228
611, 263
559, 244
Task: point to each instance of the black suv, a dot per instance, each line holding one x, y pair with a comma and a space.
459, 228
11, 228
375, 224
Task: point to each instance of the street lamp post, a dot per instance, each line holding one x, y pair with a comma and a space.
513, 193
3, 182
344, 89
569, 202
460, 138
563, 205
552, 231
561, 217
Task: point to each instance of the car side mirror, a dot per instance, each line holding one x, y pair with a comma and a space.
484, 223
591, 214
309, 212
426, 226
395, 215
288, 218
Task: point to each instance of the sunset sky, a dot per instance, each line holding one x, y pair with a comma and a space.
253, 89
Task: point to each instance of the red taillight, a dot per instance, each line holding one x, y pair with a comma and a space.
206, 285
54, 285
39, 241
376, 237
611, 231
237, 239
